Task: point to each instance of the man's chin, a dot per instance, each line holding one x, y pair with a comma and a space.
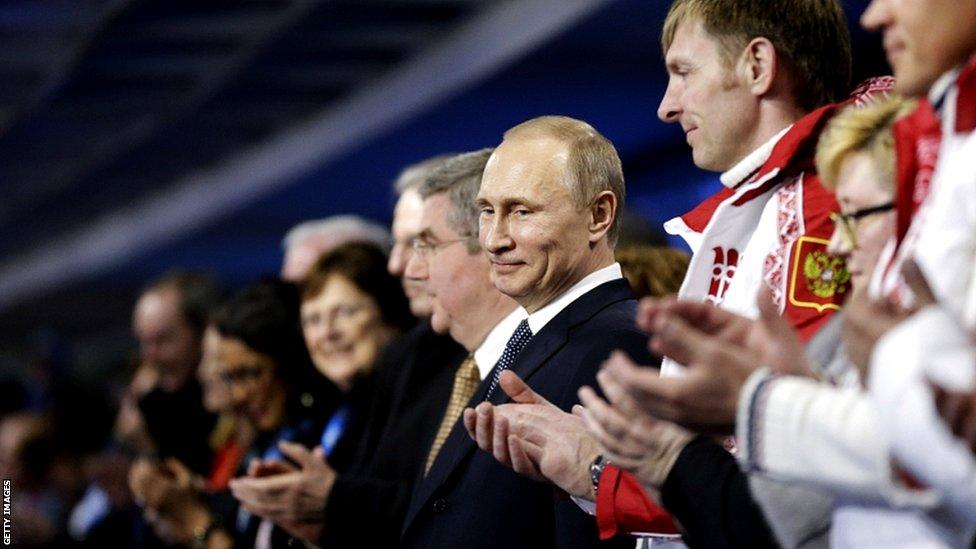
706, 162
420, 307
171, 382
912, 82
509, 286
438, 324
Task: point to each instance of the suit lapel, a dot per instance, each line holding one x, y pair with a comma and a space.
555, 333
455, 448
535, 354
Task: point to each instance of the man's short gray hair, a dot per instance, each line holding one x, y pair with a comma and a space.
460, 177
336, 230
414, 175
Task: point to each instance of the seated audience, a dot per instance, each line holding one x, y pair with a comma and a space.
306, 242
652, 271
414, 378
352, 308
273, 386
168, 321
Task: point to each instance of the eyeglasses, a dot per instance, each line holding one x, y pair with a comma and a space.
424, 248
846, 223
244, 374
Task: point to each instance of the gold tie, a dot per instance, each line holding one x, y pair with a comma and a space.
466, 381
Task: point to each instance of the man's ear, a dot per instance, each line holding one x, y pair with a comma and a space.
759, 64
603, 210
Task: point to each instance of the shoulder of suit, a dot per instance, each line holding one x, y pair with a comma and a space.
618, 316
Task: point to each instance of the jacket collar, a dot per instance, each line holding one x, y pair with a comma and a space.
792, 150
747, 168
913, 167
966, 98
791, 154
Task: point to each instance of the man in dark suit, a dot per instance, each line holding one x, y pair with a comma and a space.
168, 320
549, 204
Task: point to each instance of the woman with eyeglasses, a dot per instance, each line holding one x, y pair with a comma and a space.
856, 160
351, 309
823, 432
272, 387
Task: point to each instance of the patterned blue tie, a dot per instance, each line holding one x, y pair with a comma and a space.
515, 344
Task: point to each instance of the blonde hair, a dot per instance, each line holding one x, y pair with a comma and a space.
811, 36
652, 271
861, 129
593, 165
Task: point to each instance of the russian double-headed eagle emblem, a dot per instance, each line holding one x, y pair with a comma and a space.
818, 280
826, 275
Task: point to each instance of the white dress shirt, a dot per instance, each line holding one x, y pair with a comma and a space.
490, 350
540, 318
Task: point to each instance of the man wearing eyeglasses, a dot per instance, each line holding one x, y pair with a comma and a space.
449, 260
365, 505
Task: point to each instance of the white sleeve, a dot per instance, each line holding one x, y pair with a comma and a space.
799, 430
587, 506
929, 347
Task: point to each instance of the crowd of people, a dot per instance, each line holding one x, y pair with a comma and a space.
502, 369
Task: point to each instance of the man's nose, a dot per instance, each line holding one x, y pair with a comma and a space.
495, 235
331, 329
416, 268
669, 110
875, 16
238, 395
398, 260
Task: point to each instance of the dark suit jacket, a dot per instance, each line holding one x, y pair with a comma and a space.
470, 500
179, 425
710, 496
360, 401
415, 376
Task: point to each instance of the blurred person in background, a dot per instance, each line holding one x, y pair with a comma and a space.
352, 308
26, 460
406, 226
273, 386
168, 321
160, 413
652, 271
365, 505
231, 436
306, 242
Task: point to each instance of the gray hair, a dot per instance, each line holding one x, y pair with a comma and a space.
414, 175
460, 177
336, 230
